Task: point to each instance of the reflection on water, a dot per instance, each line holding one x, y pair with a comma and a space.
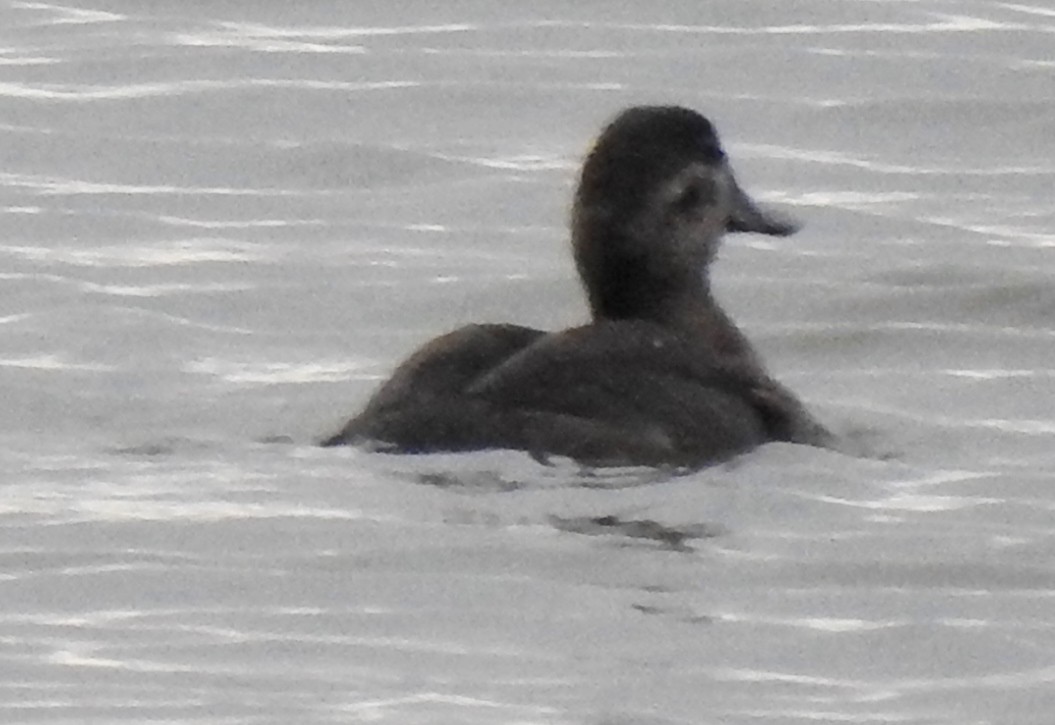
224, 223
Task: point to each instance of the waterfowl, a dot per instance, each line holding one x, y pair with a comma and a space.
659, 376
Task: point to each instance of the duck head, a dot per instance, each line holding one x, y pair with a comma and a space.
655, 196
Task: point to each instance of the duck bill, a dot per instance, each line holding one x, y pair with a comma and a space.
747, 216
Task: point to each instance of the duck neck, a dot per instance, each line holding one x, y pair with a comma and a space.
635, 289
659, 290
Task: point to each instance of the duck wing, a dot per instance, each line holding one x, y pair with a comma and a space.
609, 393
642, 380
415, 398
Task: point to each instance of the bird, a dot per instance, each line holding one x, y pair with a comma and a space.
659, 376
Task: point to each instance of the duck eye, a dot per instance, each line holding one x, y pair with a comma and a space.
689, 198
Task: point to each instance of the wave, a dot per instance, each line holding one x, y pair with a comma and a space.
91, 92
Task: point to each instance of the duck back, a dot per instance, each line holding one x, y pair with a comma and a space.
628, 392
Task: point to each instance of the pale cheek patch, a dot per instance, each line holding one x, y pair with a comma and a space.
697, 191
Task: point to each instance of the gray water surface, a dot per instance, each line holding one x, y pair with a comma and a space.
224, 223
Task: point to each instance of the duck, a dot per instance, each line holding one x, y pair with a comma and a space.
659, 375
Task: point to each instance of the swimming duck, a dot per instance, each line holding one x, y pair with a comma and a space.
659, 376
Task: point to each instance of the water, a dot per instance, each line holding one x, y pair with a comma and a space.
224, 223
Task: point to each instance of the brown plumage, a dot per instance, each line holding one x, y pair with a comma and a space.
660, 375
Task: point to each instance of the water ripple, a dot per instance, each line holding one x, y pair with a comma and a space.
83, 92
836, 158
51, 362
270, 39
65, 15
56, 186
272, 373
177, 252
942, 23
